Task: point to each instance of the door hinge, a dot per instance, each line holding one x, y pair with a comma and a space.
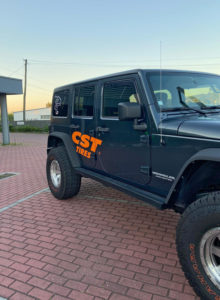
145, 170
144, 139
91, 132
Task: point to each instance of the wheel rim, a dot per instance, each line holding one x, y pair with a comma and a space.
55, 173
210, 254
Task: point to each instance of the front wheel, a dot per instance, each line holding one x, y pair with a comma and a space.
198, 245
63, 181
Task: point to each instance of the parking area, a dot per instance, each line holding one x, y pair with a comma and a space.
101, 244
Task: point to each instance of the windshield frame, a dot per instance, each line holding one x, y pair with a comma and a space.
149, 73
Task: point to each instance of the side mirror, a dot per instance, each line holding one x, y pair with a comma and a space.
129, 111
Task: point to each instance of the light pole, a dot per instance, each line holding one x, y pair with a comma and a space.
25, 89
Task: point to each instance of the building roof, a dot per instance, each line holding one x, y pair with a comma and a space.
33, 109
10, 86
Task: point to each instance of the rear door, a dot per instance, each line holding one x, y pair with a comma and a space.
124, 153
83, 122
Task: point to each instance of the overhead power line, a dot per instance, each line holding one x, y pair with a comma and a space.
102, 62
38, 87
16, 71
136, 65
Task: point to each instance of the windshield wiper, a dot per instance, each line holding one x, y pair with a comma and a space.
180, 92
213, 107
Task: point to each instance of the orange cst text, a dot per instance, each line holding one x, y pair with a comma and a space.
85, 143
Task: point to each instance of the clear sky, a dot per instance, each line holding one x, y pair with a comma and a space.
66, 41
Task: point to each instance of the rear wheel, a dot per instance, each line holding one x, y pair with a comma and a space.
198, 245
62, 179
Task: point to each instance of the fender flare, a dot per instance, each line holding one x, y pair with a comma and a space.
209, 154
69, 146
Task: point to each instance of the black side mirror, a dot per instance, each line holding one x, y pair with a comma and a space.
129, 111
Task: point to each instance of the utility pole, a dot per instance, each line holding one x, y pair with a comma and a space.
25, 89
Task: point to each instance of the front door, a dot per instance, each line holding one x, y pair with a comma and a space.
124, 153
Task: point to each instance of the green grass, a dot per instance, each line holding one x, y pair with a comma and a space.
27, 128
12, 144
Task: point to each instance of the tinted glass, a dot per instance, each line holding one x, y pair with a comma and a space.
84, 100
60, 103
197, 90
115, 92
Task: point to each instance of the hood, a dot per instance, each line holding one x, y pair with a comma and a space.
193, 125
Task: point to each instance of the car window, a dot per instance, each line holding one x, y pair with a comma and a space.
199, 90
84, 100
60, 103
163, 97
115, 92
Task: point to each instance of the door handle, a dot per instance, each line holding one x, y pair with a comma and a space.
141, 127
75, 126
102, 129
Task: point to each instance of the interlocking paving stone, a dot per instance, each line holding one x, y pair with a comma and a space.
101, 244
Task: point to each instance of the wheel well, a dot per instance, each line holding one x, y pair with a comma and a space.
198, 178
53, 142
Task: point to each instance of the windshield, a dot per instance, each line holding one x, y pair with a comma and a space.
199, 90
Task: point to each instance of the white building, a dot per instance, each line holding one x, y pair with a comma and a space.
33, 114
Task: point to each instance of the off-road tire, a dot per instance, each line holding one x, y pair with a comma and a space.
200, 218
70, 181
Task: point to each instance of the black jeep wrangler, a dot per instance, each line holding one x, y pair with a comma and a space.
154, 134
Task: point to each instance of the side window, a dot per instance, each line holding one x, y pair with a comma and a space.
115, 92
84, 101
60, 103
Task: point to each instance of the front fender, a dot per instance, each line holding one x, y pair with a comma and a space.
210, 154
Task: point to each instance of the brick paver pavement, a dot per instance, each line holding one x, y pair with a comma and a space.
101, 244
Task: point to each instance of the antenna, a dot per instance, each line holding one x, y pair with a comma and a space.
161, 134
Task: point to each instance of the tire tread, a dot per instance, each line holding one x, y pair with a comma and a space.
71, 181
204, 206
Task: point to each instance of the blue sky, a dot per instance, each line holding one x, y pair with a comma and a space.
66, 41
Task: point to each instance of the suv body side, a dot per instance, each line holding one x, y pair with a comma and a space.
140, 162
